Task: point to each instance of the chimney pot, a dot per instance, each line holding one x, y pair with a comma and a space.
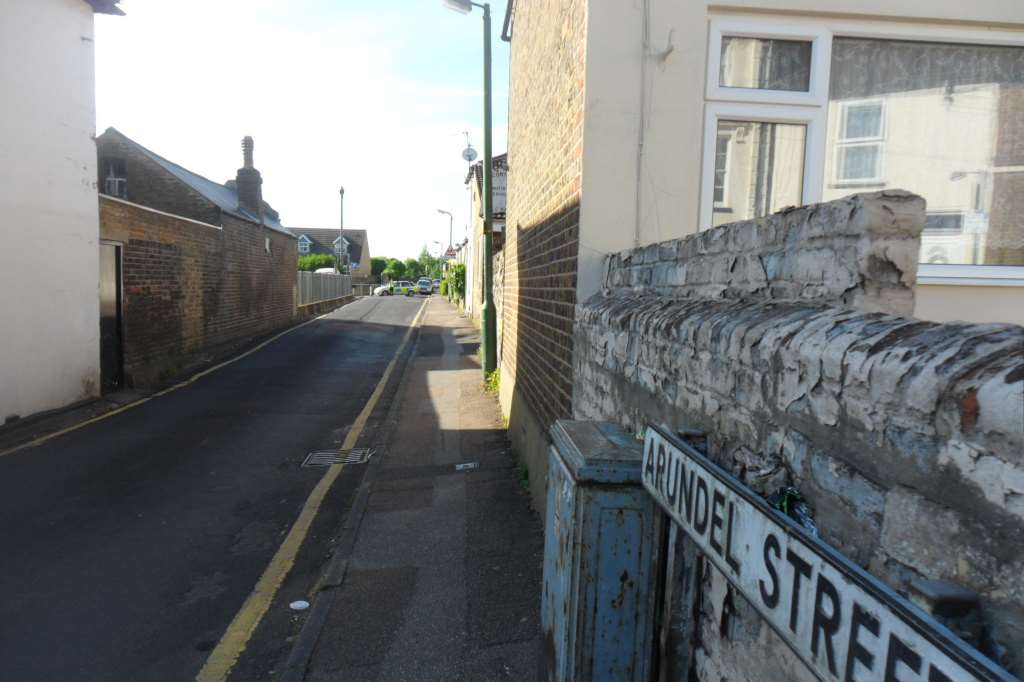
247, 152
248, 182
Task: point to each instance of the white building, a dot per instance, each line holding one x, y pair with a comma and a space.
49, 237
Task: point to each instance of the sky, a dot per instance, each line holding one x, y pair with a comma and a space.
371, 95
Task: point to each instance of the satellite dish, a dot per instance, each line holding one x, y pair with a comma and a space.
469, 154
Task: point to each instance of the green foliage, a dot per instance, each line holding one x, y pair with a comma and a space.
395, 269
377, 265
493, 382
413, 269
457, 281
432, 266
444, 287
313, 261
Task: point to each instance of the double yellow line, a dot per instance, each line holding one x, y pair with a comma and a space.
231, 645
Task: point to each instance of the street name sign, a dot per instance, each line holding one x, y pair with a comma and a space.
841, 621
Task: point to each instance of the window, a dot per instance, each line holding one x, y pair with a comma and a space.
952, 118
115, 180
859, 143
304, 243
766, 164
803, 112
721, 168
765, 64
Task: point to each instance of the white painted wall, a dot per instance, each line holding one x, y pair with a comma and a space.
49, 223
668, 173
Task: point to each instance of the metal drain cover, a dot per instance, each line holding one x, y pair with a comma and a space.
324, 458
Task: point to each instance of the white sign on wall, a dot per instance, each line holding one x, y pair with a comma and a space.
842, 622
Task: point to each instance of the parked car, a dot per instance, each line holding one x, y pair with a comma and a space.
424, 286
437, 285
400, 287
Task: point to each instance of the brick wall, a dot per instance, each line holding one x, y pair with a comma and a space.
194, 290
542, 224
149, 184
906, 436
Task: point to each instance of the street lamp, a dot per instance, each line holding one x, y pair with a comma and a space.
441, 210
488, 330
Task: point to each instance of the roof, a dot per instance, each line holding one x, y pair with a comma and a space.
106, 7
225, 197
324, 239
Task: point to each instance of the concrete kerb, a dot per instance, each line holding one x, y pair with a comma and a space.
333, 576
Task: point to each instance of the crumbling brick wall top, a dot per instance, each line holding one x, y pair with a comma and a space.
860, 251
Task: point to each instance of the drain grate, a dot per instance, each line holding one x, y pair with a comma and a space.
324, 458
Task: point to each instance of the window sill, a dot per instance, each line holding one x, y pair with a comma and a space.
857, 184
971, 275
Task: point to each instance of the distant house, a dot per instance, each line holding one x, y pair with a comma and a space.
50, 331
349, 246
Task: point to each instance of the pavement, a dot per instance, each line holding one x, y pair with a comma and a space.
441, 576
127, 546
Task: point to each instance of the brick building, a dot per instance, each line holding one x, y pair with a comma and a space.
542, 223
632, 123
204, 267
639, 131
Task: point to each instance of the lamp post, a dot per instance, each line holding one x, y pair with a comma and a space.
488, 330
441, 210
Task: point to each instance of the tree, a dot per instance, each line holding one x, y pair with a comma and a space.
432, 265
377, 265
395, 269
413, 268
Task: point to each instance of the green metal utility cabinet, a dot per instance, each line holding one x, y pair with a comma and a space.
599, 556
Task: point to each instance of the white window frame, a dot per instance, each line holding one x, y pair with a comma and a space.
811, 108
812, 118
817, 35
304, 243
843, 143
729, 137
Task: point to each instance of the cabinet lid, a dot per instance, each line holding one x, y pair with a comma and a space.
599, 452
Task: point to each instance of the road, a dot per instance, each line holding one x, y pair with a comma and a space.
130, 544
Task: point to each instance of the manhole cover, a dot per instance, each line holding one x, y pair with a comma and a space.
324, 458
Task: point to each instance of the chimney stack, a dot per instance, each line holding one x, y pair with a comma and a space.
249, 183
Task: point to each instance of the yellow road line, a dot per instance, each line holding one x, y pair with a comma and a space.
236, 637
192, 379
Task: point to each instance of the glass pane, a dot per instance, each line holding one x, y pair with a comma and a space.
764, 169
863, 120
860, 162
765, 64
949, 125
